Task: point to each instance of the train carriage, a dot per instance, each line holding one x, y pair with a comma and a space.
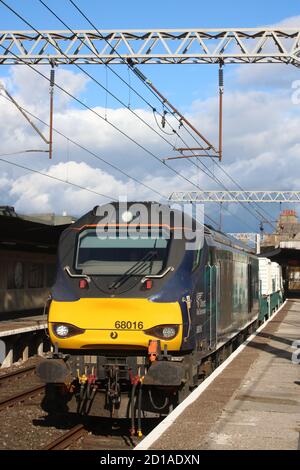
271, 287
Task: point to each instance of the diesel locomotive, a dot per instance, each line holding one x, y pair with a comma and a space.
146, 301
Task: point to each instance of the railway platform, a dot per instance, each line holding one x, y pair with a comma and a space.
252, 402
22, 325
21, 338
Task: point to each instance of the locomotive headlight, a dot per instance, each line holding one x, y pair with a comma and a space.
61, 330
65, 330
163, 331
169, 332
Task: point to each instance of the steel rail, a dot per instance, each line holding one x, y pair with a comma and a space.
17, 373
64, 441
20, 397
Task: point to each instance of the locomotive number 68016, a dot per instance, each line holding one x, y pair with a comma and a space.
129, 325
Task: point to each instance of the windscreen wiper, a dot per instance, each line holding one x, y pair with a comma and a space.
133, 270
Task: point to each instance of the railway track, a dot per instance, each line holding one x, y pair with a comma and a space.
21, 397
14, 381
17, 374
89, 442
92, 435
67, 439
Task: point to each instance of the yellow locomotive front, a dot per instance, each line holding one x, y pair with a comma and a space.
114, 323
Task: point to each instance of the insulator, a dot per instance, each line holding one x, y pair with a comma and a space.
221, 78
52, 77
139, 74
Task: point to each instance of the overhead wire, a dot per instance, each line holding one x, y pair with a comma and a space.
101, 117
164, 104
119, 130
113, 95
91, 109
209, 174
23, 167
80, 101
95, 156
242, 189
69, 139
231, 178
172, 169
89, 151
85, 72
21, 151
113, 48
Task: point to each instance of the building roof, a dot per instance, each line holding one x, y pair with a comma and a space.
49, 219
19, 234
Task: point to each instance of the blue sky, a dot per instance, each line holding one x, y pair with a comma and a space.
155, 14
260, 125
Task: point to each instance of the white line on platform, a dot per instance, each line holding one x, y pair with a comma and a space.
155, 434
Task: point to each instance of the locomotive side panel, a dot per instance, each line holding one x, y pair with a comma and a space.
232, 294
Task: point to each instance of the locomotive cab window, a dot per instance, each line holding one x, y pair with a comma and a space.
117, 253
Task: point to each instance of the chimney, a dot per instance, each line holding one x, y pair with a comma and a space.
287, 218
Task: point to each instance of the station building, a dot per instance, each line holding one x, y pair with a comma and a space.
283, 246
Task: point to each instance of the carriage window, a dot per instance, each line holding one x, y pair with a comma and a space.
117, 254
15, 276
250, 288
36, 275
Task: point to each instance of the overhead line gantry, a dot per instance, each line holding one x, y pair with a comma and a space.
156, 46
235, 196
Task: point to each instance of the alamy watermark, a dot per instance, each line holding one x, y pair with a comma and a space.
152, 220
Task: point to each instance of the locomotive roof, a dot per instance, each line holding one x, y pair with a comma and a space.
216, 236
226, 239
98, 212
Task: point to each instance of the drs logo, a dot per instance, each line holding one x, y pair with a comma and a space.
129, 325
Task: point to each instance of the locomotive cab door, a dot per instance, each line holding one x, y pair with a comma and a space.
212, 295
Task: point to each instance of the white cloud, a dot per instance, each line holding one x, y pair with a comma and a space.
266, 76
290, 22
32, 89
37, 193
261, 139
270, 75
